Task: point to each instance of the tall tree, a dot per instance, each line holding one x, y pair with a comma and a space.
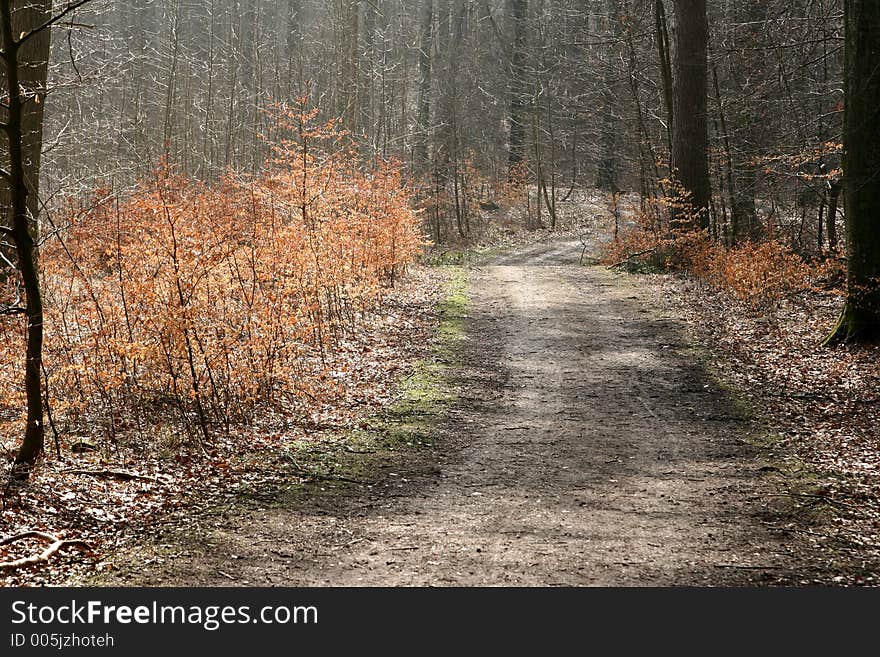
423, 118
860, 320
690, 138
24, 51
518, 93
606, 178
33, 64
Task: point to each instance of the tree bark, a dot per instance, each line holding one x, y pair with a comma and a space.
33, 66
860, 319
690, 147
16, 58
663, 51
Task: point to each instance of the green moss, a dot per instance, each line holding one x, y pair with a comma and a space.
338, 461
799, 486
460, 257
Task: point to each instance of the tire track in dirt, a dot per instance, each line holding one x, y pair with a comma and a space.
587, 447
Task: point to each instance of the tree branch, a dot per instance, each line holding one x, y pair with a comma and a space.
71, 7
57, 544
12, 310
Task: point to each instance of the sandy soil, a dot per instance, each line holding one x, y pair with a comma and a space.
588, 446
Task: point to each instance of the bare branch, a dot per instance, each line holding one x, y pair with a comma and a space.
71, 7
56, 545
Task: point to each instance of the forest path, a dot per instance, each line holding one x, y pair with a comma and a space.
587, 446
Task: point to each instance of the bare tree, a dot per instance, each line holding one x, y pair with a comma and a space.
24, 49
518, 92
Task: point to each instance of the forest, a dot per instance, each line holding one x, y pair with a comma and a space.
439, 292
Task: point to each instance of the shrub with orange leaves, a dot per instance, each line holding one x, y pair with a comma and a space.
204, 302
756, 273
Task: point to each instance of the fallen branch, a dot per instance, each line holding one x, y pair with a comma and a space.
825, 499
113, 474
835, 537
57, 544
653, 249
300, 471
745, 567
322, 477
359, 451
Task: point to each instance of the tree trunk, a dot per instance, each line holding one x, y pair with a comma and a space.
423, 117
518, 94
690, 137
606, 175
860, 319
293, 50
834, 190
33, 65
22, 82
663, 50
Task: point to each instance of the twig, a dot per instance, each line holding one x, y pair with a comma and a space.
71, 7
738, 567
819, 498
359, 451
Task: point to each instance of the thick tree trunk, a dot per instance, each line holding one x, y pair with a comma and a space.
860, 320
690, 147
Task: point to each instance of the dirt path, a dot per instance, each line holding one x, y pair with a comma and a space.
587, 447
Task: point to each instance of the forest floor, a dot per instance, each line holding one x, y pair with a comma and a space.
565, 431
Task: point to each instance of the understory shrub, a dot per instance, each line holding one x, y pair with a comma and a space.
203, 303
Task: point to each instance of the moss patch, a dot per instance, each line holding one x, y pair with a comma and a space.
331, 465
799, 487
461, 257
361, 457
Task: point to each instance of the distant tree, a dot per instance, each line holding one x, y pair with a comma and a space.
860, 320
606, 178
518, 93
423, 117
